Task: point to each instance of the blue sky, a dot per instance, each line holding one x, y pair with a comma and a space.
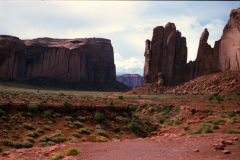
127, 23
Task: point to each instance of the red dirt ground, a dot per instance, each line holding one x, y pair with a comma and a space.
169, 147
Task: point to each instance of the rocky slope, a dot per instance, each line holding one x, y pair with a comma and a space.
75, 63
166, 54
132, 80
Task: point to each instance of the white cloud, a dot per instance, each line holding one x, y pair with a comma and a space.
130, 65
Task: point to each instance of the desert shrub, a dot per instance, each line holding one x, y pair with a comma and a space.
17, 145
133, 126
57, 156
204, 128
1, 150
216, 121
101, 132
125, 114
101, 139
111, 102
84, 131
66, 103
28, 126
57, 138
177, 109
177, 122
2, 113
120, 97
73, 152
161, 119
30, 139
44, 144
27, 144
149, 128
233, 131
32, 108
61, 94
220, 98
166, 108
33, 134
132, 107
47, 127
43, 101
222, 115
211, 98
215, 126
186, 127
47, 114
231, 121
51, 143
231, 114
78, 124
99, 116
73, 139
68, 118
7, 142
75, 134
81, 118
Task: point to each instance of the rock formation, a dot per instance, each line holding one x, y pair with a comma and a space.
166, 54
83, 62
229, 49
132, 80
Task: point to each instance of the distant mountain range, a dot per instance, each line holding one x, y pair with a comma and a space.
131, 80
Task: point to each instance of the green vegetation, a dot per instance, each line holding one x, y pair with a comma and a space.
32, 108
66, 104
186, 127
99, 116
7, 142
216, 121
233, 131
27, 144
73, 152
232, 114
28, 126
57, 156
132, 107
204, 128
133, 126
120, 97
73, 139
177, 122
85, 131
81, 119
2, 113
101, 139
111, 103
47, 114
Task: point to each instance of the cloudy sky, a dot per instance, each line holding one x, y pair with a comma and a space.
127, 23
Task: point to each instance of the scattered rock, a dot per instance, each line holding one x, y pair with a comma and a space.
226, 151
196, 150
219, 146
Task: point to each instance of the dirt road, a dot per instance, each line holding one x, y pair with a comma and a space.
193, 147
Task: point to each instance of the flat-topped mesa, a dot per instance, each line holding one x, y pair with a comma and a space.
79, 61
166, 54
132, 80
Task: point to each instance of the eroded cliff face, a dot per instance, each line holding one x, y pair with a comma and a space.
166, 55
229, 51
78, 61
132, 80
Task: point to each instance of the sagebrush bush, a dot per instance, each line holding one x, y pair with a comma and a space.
99, 116
133, 126
32, 108
57, 156
73, 152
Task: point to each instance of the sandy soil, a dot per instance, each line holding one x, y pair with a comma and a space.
168, 147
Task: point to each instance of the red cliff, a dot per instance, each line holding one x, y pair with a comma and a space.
86, 63
166, 55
